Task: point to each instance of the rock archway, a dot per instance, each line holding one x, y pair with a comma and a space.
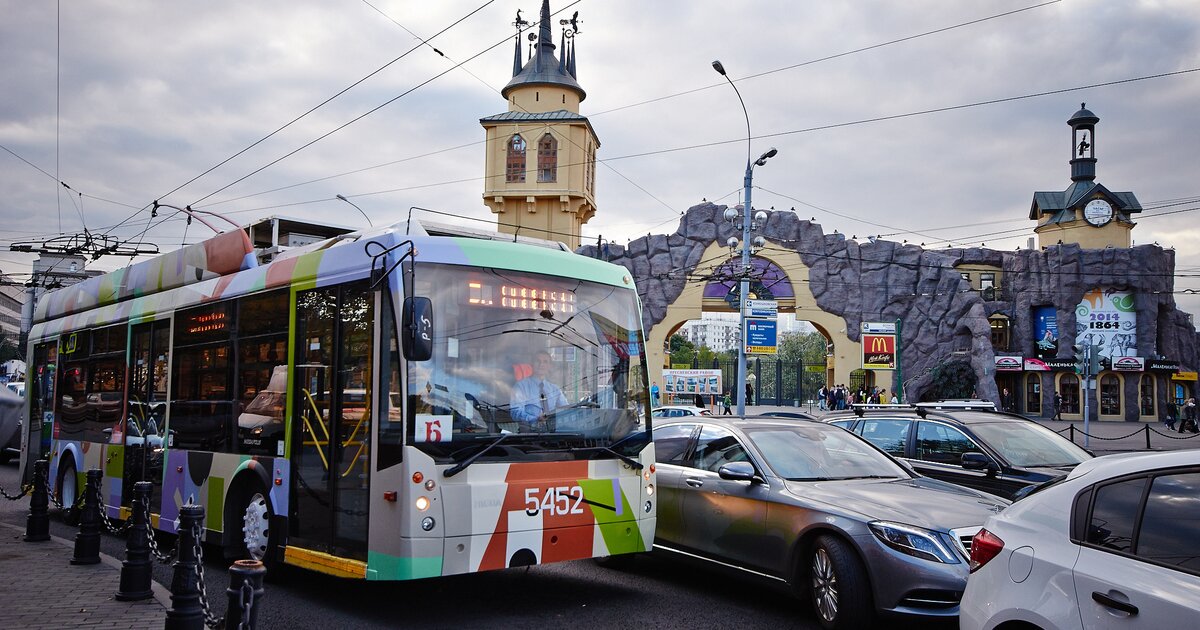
838, 285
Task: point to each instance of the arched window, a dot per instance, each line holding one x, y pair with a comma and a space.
547, 159
1147, 395
591, 171
1033, 394
1110, 395
1068, 387
515, 166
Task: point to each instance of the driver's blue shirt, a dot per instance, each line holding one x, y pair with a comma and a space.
534, 396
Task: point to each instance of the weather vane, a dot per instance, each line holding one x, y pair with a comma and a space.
574, 22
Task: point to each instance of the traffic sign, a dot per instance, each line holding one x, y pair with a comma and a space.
762, 308
760, 336
885, 328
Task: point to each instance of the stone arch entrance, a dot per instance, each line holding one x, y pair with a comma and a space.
699, 297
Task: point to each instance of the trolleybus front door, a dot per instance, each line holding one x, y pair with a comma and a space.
331, 427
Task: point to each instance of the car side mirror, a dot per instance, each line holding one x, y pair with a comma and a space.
976, 461
738, 471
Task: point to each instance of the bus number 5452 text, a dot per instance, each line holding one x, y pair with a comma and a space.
555, 501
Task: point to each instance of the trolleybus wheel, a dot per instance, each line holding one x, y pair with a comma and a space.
256, 527
68, 491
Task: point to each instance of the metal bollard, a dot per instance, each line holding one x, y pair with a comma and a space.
37, 524
185, 612
245, 593
137, 571
87, 541
1147, 437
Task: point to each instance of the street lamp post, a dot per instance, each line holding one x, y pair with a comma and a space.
732, 215
360, 210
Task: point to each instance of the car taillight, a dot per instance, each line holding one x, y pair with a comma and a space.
984, 546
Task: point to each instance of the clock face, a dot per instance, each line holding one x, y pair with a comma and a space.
1098, 212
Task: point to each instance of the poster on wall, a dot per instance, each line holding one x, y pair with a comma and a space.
1107, 319
1045, 332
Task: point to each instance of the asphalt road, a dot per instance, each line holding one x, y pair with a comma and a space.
656, 592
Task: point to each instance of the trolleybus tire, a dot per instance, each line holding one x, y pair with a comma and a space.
68, 490
251, 525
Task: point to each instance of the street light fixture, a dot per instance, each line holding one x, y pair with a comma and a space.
759, 218
360, 210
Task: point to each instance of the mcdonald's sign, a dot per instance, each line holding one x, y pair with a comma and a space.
879, 352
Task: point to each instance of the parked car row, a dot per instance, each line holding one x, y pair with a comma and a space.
892, 514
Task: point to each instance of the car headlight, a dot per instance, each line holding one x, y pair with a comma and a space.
914, 541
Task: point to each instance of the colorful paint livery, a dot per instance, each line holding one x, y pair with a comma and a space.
396, 404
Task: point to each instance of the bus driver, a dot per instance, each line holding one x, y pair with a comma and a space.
535, 397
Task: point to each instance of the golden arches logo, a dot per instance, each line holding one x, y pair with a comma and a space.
881, 345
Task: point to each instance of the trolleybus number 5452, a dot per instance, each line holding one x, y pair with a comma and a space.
555, 500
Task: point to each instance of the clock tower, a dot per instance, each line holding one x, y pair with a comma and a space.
1086, 213
540, 169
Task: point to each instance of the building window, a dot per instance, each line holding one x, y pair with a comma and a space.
1147, 395
965, 276
987, 280
591, 171
1000, 332
514, 171
1068, 387
547, 159
1110, 395
1033, 394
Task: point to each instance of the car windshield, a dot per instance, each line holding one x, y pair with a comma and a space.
820, 452
558, 360
1028, 444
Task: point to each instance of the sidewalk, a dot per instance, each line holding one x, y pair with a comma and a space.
40, 588
1102, 438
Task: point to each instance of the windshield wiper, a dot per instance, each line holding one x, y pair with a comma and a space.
461, 466
633, 463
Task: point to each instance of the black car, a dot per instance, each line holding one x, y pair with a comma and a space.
992, 451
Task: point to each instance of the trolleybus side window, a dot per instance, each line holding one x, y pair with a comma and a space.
201, 401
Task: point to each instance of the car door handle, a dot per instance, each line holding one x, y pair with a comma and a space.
693, 482
1105, 600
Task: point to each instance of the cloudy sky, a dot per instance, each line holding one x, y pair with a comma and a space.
931, 121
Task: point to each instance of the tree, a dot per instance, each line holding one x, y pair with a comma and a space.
682, 350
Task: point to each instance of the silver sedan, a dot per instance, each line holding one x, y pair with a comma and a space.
819, 509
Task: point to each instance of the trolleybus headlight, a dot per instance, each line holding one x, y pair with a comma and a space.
430, 484
649, 506
649, 489
427, 523
422, 503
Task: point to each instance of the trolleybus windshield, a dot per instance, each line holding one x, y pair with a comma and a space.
556, 364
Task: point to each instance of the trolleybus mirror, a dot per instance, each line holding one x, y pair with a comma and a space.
417, 333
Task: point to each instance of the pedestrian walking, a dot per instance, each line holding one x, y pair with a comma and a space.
821, 393
654, 394
727, 402
1057, 406
1189, 417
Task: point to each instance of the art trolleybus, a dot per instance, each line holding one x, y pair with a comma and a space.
393, 404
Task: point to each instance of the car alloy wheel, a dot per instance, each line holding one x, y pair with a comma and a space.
824, 586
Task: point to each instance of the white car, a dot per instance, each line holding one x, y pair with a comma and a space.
1111, 545
678, 411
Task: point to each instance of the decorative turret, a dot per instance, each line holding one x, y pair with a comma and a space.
543, 67
1083, 144
1086, 213
541, 153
